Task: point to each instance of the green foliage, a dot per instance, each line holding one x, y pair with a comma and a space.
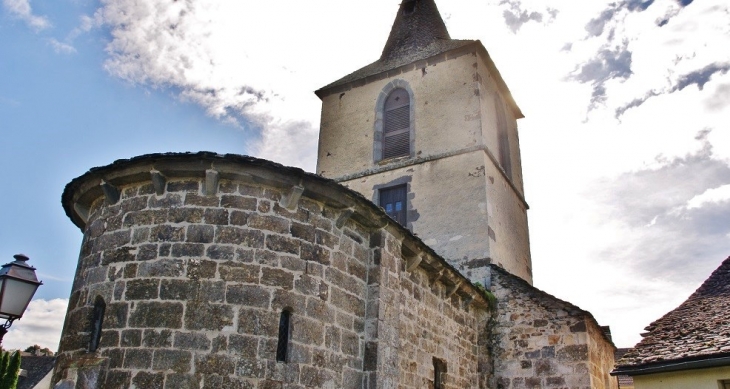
9, 370
491, 298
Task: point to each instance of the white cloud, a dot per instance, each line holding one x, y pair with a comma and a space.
41, 324
61, 48
22, 10
714, 195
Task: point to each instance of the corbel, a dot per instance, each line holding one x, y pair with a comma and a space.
82, 211
433, 278
450, 292
413, 262
159, 182
290, 199
211, 182
111, 192
344, 217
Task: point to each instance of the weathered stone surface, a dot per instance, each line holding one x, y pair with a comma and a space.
175, 360
206, 316
156, 315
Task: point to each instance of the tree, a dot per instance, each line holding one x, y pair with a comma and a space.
9, 370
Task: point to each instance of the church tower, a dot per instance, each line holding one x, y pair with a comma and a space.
429, 133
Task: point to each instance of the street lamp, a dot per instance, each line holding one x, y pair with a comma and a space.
18, 284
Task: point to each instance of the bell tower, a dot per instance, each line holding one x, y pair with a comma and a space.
429, 133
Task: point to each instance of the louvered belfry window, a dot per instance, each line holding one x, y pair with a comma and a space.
397, 124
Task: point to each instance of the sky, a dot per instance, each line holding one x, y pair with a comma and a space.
625, 144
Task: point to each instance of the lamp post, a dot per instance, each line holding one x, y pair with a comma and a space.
18, 284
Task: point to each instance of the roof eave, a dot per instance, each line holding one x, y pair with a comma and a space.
475, 46
673, 365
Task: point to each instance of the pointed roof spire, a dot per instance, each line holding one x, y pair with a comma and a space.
417, 25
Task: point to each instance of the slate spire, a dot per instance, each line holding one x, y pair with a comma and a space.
417, 26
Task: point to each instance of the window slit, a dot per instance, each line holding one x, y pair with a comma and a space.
283, 344
97, 320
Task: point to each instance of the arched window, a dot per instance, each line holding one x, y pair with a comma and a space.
97, 319
284, 330
397, 124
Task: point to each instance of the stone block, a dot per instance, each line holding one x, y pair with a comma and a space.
219, 364
238, 272
137, 358
182, 381
248, 295
183, 290
175, 360
269, 223
149, 380
185, 215
194, 199
243, 346
121, 254
131, 338
115, 379
220, 252
142, 289
188, 250
238, 202
316, 253
277, 277
303, 231
282, 244
239, 236
206, 316
161, 268
216, 216
201, 269
157, 338
167, 233
574, 353
200, 234
156, 315
258, 323
191, 341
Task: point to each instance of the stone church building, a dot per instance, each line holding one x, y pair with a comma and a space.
403, 263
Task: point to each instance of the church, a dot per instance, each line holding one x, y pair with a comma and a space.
404, 262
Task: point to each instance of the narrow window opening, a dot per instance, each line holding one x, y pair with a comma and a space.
439, 374
397, 124
393, 201
97, 319
725, 384
283, 344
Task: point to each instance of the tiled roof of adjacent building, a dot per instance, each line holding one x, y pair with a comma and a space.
36, 368
698, 330
418, 33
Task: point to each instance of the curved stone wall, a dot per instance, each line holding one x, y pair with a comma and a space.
195, 256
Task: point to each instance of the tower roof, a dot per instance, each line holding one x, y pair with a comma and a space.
418, 33
417, 25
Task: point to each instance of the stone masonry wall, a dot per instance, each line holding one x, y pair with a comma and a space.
422, 318
194, 281
539, 341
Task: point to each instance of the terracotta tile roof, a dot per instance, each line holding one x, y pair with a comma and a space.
698, 329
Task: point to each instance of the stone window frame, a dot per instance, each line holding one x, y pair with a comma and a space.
724, 384
96, 322
378, 137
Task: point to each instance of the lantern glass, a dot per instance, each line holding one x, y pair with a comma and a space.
16, 295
